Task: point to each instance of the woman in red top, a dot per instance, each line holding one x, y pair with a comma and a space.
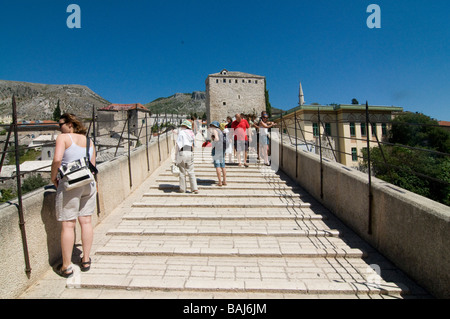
241, 140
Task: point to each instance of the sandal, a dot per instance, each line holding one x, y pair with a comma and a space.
224, 183
85, 266
66, 273
220, 184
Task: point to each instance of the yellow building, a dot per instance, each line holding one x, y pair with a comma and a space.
342, 129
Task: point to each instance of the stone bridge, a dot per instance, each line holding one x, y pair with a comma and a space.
261, 236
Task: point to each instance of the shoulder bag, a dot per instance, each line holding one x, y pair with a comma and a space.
78, 173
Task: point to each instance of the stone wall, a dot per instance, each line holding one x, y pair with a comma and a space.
42, 229
412, 231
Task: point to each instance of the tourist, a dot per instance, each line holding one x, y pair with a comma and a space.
241, 141
229, 121
228, 144
78, 203
185, 156
218, 152
264, 126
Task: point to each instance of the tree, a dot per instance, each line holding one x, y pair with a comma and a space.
419, 130
57, 113
268, 105
419, 167
33, 182
355, 101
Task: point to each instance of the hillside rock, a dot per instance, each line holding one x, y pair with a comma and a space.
38, 101
180, 103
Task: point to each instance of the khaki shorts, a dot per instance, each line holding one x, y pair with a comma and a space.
75, 203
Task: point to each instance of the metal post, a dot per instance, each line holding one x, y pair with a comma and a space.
159, 146
146, 142
321, 158
296, 145
129, 150
281, 139
368, 168
95, 176
93, 125
167, 141
19, 190
5, 148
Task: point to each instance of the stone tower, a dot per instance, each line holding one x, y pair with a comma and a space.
228, 93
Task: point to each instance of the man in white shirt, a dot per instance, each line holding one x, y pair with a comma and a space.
185, 156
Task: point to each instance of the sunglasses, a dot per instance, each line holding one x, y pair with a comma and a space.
61, 124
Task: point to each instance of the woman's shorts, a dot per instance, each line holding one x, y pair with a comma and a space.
219, 163
75, 203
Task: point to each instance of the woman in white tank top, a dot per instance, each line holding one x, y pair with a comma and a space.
78, 203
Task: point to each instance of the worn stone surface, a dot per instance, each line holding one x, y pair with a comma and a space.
227, 248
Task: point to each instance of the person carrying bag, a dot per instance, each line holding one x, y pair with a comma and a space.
76, 190
79, 172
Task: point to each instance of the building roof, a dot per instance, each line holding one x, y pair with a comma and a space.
37, 125
233, 74
28, 166
444, 123
343, 107
123, 107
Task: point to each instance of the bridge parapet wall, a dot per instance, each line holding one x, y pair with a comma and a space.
43, 230
410, 230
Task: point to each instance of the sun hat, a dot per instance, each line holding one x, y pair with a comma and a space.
215, 124
187, 123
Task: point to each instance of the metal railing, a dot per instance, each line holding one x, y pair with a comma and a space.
366, 160
150, 128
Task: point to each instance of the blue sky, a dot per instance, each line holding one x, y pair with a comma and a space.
135, 51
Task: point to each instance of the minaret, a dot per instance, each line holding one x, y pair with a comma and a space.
301, 97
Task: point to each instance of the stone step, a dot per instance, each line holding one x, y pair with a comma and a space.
222, 214
249, 180
212, 172
231, 252
204, 245
282, 227
225, 193
295, 275
214, 204
236, 186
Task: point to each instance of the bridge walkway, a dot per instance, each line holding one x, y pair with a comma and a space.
261, 236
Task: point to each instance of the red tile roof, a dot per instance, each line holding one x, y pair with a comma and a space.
123, 107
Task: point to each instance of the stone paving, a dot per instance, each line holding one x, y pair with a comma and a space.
261, 236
